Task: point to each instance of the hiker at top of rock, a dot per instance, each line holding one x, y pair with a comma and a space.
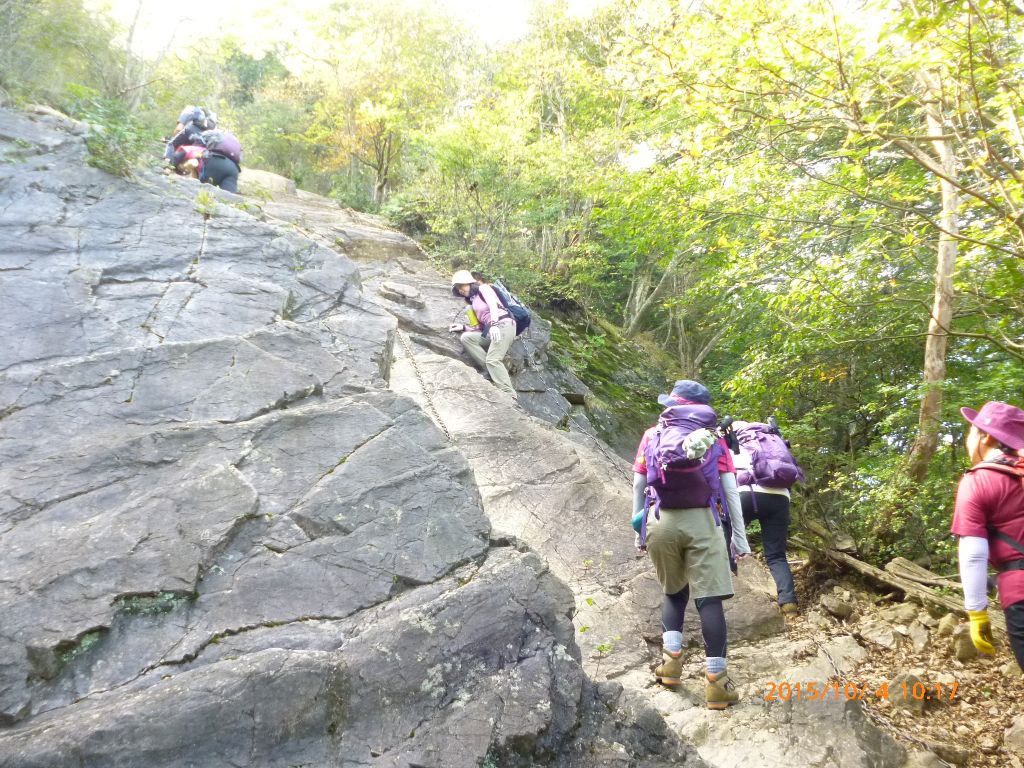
684, 471
189, 131
223, 161
765, 471
489, 330
988, 516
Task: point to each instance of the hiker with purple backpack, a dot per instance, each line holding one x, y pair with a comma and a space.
683, 474
765, 471
223, 161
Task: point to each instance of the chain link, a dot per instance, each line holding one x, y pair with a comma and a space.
875, 717
419, 377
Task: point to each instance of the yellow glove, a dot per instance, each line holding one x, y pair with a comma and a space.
981, 631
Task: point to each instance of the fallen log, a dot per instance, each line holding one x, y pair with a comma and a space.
907, 569
914, 589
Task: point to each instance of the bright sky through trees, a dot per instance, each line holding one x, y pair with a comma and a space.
262, 22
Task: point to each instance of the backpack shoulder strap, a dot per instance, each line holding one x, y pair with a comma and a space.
498, 298
1005, 467
502, 294
1006, 539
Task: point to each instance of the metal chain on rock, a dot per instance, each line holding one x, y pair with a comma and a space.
419, 377
875, 717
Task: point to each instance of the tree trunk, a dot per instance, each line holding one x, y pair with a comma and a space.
638, 288
937, 341
644, 304
383, 170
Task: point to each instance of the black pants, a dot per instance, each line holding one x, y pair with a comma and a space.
221, 172
1015, 629
773, 514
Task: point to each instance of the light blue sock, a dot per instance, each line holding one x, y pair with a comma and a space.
715, 664
672, 641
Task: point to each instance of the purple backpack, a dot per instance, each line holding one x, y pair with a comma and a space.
224, 143
771, 463
675, 481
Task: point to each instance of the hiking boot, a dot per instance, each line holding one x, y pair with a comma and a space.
671, 668
720, 691
789, 610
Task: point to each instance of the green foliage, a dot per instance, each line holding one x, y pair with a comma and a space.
406, 213
116, 140
745, 193
46, 44
68, 652
152, 605
206, 203
249, 75
606, 647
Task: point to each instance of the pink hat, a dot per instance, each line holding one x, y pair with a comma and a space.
1004, 422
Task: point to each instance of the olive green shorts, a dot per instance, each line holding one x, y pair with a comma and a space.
688, 548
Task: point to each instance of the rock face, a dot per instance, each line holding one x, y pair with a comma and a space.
257, 510
225, 541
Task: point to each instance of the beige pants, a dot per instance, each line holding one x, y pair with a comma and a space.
688, 548
488, 353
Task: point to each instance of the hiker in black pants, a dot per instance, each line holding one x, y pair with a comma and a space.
221, 171
770, 507
772, 511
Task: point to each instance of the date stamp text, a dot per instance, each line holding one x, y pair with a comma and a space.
837, 691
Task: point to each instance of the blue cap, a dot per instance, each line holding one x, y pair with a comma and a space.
686, 389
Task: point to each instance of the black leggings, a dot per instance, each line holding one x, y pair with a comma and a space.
221, 172
1015, 629
712, 619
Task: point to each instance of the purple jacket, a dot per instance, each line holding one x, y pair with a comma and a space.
488, 307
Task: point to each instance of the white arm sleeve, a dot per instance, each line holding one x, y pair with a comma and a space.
639, 484
973, 557
732, 500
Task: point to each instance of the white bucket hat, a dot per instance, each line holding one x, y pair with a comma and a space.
462, 277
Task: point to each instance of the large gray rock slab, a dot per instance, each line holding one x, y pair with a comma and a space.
292, 507
403, 281
449, 674
226, 543
263, 184
568, 498
358, 235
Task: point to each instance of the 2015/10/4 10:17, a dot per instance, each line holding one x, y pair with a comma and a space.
813, 691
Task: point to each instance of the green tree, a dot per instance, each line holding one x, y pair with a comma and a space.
47, 44
385, 71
